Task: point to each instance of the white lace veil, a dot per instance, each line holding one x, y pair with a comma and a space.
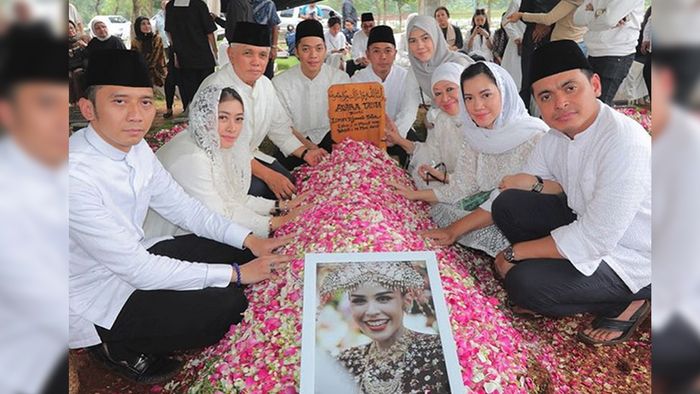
513, 126
230, 167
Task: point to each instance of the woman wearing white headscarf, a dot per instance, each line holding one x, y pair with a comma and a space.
211, 161
498, 135
427, 50
444, 141
102, 39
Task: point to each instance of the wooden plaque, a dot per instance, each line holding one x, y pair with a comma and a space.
356, 111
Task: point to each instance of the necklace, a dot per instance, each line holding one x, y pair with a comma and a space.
384, 371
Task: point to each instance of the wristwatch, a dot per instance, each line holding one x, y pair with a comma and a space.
537, 187
509, 255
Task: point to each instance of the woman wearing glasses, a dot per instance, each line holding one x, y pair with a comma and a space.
498, 136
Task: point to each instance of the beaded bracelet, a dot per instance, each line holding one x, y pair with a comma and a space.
238, 274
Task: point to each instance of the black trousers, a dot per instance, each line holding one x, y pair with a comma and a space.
351, 68
259, 188
291, 162
171, 81
190, 79
647, 74
554, 287
270, 69
528, 48
612, 70
162, 321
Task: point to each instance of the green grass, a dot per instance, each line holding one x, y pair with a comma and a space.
286, 63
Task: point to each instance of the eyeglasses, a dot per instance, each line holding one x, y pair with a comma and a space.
440, 167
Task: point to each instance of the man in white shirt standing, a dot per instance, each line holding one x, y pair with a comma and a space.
140, 299
303, 91
588, 250
613, 32
400, 87
359, 45
264, 115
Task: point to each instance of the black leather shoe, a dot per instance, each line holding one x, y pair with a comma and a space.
144, 368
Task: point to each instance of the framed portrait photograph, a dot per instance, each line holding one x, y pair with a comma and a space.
376, 323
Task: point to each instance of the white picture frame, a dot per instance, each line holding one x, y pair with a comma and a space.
317, 347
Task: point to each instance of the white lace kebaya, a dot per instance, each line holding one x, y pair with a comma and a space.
487, 156
220, 178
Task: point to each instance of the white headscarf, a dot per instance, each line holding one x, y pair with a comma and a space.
230, 167
514, 125
441, 53
104, 20
451, 72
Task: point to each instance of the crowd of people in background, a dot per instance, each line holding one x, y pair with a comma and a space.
612, 41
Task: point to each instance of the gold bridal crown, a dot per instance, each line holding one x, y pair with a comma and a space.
394, 275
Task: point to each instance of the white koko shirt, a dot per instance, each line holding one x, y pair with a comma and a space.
306, 100
110, 193
401, 93
606, 174
359, 45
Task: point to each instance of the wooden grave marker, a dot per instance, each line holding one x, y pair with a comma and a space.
356, 111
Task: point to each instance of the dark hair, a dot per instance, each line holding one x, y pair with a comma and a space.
441, 8
290, 27
588, 73
90, 93
229, 94
474, 70
480, 11
332, 21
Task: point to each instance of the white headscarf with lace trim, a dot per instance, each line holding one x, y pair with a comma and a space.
230, 167
514, 125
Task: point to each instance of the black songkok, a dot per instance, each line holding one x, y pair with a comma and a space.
118, 67
381, 33
309, 28
31, 53
251, 34
557, 57
367, 17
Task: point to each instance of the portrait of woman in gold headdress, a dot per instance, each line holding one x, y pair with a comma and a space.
379, 299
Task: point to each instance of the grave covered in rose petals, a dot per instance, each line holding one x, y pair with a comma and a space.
354, 210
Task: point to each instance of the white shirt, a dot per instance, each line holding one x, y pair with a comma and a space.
442, 145
480, 47
512, 61
264, 115
190, 166
334, 43
676, 159
110, 193
604, 38
306, 100
33, 269
359, 45
606, 174
401, 93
